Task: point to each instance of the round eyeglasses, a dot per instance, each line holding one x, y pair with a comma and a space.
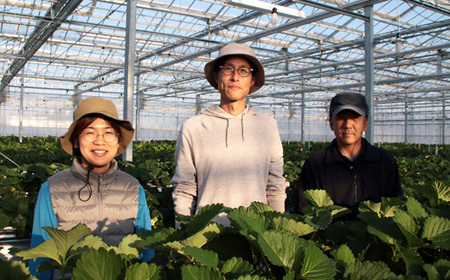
228, 70
108, 136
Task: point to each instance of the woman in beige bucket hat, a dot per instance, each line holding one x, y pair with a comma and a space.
94, 192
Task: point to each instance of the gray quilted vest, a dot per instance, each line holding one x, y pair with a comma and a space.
108, 207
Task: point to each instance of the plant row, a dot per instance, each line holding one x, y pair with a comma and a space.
405, 238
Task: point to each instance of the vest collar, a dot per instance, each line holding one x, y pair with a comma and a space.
80, 172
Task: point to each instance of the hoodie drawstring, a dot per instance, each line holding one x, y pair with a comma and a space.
242, 127
226, 133
228, 127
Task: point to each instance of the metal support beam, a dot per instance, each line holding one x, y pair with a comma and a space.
444, 117
140, 104
130, 51
332, 9
430, 6
22, 89
406, 119
303, 118
56, 15
369, 69
254, 37
198, 104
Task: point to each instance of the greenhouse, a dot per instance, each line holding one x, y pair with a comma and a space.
117, 164
148, 58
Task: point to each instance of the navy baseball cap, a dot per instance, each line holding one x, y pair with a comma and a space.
349, 101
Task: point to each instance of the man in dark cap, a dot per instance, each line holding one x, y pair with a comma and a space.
350, 169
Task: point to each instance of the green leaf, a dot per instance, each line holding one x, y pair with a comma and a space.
125, 248
235, 267
386, 230
369, 206
143, 271
203, 218
289, 276
416, 209
409, 227
191, 272
99, 264
442, 190
439, 270
9, 203
46, 249
429, 192
344, 256
202, 256
156, 237
281, 248
290, 225
389, 206
251, 277
248, 221
413, 261
316, 265
15, 270
51, 265
231, 244
369, 270
437, 230
197, 240
90, 241
337, 211
261, 207
4, 220
22, 205
386, 208
66, 239
84, 245
318, 198
319, 218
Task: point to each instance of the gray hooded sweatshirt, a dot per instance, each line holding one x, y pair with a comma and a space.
233, 160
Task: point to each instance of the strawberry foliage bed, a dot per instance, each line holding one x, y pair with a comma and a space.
406, 238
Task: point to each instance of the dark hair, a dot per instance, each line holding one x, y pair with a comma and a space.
222, 60
85, 122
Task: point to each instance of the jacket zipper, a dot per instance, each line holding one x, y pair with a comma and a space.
99, 197
355, 183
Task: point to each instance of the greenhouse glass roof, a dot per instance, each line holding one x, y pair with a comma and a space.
55, 53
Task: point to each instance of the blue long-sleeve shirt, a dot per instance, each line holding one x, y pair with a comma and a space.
44, 216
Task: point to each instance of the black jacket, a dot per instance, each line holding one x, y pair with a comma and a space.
373, 174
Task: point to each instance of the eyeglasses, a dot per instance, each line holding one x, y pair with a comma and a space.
108, 136
228, 70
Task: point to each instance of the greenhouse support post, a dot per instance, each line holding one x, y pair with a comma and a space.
444, 117
139, 104
22, 89
303, 118
130, 51
369, 68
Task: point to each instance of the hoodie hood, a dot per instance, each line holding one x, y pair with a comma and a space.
216, 111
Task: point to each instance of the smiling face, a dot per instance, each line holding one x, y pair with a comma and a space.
98, 153
234, 88
348, 127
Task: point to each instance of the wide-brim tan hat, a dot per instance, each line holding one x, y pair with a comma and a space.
97, 105
238, 50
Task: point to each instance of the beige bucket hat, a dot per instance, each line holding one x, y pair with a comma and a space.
97, 105
243, 50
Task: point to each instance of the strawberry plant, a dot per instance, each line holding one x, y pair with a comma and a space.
396, 239
77, 254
